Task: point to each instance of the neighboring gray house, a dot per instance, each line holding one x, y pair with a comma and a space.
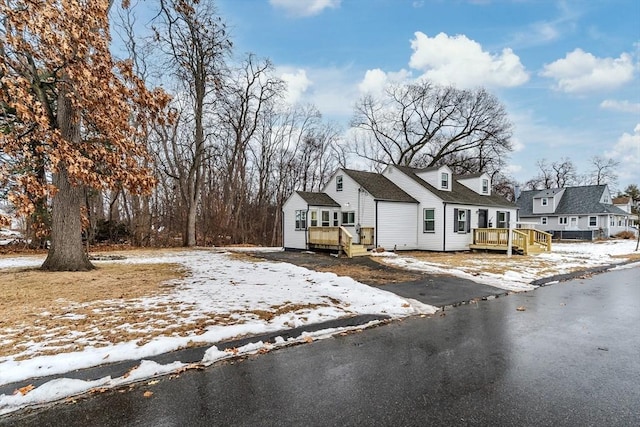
585, 212
402, 208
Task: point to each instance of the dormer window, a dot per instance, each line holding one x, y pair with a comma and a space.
444, 180
485, 186
339, 183
545, 201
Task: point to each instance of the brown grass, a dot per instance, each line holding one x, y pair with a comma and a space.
369, 275
68, 311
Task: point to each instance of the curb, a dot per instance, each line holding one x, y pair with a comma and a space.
192, 355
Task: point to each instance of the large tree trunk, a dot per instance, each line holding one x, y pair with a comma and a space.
66, 252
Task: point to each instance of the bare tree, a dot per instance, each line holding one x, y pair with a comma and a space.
558, 174
194, 39
423, 124
603, 171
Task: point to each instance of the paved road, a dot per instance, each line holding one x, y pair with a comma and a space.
571, 358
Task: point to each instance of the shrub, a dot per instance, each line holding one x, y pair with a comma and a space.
625, 235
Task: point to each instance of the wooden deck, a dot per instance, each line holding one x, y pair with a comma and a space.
340, 239
523, 241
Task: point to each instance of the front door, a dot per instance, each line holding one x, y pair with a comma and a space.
482, 218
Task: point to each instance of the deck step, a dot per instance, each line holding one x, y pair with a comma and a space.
358, 250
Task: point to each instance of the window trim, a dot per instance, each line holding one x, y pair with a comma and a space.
544, 201
348, 214
336, 222
505, 222
544, 220
596, 220
300, 219
425, 220
339, 183
485, 186
563, 220
313, 220
328, 220
444, 180
461, 227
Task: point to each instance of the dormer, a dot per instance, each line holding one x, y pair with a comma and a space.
480, 183
546, 201
440, 177
606, 196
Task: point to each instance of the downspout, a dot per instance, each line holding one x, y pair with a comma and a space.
444, 228
376, 231
306, 229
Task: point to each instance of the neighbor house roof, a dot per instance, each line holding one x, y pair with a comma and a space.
582, 200
379, 186
317, 199
459, 193
550, 192
623, 200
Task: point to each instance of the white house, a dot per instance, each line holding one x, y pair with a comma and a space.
402, 208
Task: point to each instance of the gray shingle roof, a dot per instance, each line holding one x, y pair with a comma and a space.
459, 193
379, 186
317, 199
582, 200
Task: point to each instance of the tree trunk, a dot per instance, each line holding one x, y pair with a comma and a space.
66, 252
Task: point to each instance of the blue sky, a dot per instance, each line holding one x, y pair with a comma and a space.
568, 72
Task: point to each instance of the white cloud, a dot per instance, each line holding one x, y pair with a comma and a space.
622, 106
580, 71
297, 84
627, 152
300, 8
461, 61
376, 80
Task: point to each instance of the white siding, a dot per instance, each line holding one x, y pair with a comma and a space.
353, 199
426, 241
292, 238
475, 184
397, 225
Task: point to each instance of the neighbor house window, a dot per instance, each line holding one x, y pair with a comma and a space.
429, 221
612, 222
503, 219
543, 220
620, 222
444, 180
314, 218
593, 221
545, 201
461, 223
301, 220
485, 186
348, 218
325, 219
563, 220
339, 183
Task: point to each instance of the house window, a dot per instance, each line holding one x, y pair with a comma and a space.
543, 220
620, 222
301, 220
429, 221
503, 219
339, 183
612, 222
444, 180
563, 220
314, 218
593, 221
348, 218
545, 201
335, 219
485, 186
461, 223
325, 219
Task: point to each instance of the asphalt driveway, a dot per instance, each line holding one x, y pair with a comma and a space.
432, 289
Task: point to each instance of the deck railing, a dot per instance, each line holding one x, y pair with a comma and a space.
498, 238
329, 236
366, 236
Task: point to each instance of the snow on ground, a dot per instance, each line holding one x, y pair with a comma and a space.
518, 271
239, 290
